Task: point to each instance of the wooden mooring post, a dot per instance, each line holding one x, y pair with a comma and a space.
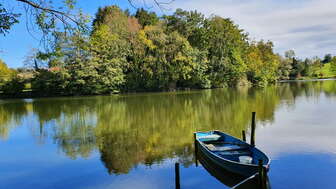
196, 150
262, 179
253, 126
177, 175
243, 135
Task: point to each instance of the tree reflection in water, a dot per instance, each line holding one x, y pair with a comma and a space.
129, 130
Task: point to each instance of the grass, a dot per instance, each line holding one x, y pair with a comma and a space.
325, 72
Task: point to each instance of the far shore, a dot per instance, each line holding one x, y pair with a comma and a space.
29, 94
306, 79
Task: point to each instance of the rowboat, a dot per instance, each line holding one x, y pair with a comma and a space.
230, 153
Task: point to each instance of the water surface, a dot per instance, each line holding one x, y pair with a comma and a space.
133, 141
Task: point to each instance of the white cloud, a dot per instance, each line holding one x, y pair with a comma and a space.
307, 26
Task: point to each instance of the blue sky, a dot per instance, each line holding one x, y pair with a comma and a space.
306, 26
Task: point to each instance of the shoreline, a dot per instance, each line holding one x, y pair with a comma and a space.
307, 79
31, 95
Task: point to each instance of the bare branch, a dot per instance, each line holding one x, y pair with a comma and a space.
159, 4
62, 16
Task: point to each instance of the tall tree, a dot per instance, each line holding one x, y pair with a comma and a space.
327, 58
307, 70
285, 68
5, 73
316, 66
290, 54
262, 63
146, 18
161, 60
298, 67
227, 46
114, 18
108, 56
190, 24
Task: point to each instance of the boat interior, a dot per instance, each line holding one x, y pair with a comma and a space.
230, 148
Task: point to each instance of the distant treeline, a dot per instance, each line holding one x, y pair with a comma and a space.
124, 52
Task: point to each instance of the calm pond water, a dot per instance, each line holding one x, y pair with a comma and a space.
133, 141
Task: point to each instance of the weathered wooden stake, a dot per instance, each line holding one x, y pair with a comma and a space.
196, 150
265, 177
177, 175
262, 180
244, 136
253, 129
260, 171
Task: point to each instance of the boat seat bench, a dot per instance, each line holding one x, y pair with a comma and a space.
214, 148
223, 142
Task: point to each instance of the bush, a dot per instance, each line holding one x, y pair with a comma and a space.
51, 82
14, 86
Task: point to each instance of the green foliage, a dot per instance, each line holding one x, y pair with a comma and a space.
191, 25
90, 64
227, 47
50, 82
199, 76
316, 67
262, 63
114, 18
298, 67
285, 68
146, 18
70, 4
291, 67
6, 73
290, 54
160, 61
119, 22
307, 70
333, 66
327, 58
108, 56
10, 82
294, 68
13, 86
7, 19
141, 52
325, 71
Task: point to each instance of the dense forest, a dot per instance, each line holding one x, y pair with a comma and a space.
125, 52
